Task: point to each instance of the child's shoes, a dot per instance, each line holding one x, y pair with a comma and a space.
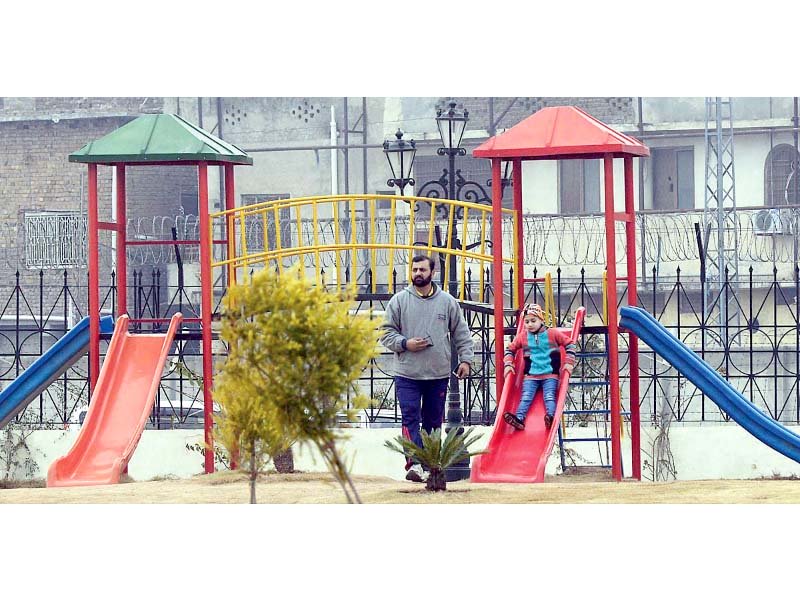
512, 420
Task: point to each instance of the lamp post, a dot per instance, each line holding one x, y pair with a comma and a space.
451, 124
451, 127
400, 154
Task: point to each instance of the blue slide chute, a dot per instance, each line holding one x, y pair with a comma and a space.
723, 394
47, 368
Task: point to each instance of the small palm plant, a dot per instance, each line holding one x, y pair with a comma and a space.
436, 455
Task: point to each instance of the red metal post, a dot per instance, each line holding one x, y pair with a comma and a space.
230, 233
613, 328
497, 276
230, 204
94, 282
122, 243
633, 341
205, 312
519, 265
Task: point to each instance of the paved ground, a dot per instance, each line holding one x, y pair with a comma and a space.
320, 488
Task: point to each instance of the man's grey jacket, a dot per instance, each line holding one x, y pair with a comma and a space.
437, 317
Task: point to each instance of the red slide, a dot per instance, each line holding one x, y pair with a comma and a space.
520, 456
124, 396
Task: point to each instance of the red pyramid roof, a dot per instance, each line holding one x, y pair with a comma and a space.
560, 132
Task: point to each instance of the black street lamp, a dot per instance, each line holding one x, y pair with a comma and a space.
451, 127
400, 154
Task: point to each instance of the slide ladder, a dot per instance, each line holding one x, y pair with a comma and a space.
589, 381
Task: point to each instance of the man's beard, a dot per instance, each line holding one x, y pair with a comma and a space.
421, 282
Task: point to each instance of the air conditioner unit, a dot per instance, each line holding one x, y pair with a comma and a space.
770, 222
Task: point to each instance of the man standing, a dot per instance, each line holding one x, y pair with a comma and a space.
420, 322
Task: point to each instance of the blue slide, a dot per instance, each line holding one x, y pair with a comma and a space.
47, 368
676, 353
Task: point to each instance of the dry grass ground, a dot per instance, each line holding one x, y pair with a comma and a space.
320, 488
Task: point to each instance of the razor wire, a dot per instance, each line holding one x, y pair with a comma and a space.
547, 240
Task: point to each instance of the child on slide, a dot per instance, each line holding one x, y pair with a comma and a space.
541, 349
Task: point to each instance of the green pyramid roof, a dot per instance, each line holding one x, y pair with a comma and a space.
159, 138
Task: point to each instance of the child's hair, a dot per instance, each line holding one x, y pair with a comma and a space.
533, 309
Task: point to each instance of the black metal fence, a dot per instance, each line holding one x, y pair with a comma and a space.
755, 349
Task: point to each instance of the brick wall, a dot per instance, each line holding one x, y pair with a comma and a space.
157, 191
36, 176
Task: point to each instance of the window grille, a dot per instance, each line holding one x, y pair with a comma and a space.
55, 240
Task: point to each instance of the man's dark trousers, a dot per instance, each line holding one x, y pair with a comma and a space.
421, 400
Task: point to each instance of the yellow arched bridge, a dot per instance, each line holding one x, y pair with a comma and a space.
366, 239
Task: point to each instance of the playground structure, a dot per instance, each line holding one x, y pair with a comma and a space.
570, 133
563, 132
361, 252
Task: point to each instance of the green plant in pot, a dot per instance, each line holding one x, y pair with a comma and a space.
435, 455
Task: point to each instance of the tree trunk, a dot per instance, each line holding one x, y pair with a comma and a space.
284, 461
436, 481
253, 474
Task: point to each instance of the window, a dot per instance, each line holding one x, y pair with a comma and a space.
673, 178
189, 202
384, 207
255, 224
579, 186
780, 184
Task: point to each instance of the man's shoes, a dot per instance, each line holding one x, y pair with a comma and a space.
512, 420
548, 421
417, 474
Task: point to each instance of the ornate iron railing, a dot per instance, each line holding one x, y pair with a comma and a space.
759, 356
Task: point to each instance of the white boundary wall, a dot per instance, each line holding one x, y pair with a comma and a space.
708, 451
